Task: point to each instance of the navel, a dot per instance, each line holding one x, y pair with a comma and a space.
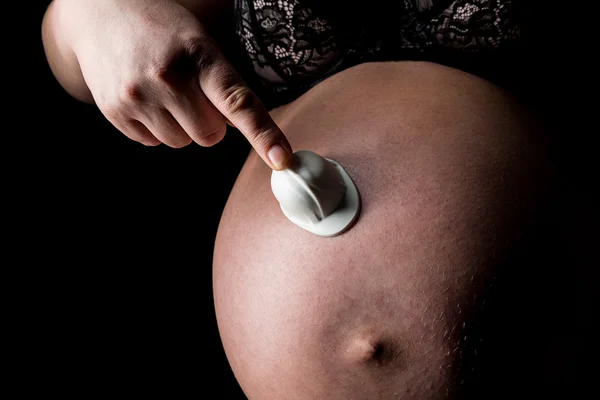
370, 350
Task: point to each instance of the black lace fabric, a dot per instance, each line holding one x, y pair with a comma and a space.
291, 45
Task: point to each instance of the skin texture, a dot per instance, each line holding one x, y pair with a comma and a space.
449, 169
156, 73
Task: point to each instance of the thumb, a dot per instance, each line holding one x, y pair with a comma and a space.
235, 100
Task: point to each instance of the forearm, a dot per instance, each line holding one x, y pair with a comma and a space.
61, 58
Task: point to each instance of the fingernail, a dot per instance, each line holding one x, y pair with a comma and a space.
278, 156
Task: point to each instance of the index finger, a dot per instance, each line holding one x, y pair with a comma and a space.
235, 100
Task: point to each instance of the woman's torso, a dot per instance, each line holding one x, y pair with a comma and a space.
439, 157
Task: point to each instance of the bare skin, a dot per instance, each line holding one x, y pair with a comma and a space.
448, 169
156, 73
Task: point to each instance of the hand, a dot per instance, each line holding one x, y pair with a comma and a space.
157, 76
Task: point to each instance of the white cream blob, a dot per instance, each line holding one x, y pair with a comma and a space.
316, 194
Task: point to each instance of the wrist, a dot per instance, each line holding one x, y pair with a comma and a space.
55, 30
60, 55
63, 14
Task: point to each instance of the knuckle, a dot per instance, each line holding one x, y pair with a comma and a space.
165, 70
160, 73
131, 93
201, 49
263, 136
194, 44
238, 99
193, 52
205, 60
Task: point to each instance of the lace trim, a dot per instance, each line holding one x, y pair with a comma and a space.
290, 46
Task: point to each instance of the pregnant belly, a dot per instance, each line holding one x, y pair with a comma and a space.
380, 310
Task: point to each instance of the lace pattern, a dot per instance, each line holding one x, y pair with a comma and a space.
291, 48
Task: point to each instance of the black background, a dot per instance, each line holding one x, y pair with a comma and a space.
115, 244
